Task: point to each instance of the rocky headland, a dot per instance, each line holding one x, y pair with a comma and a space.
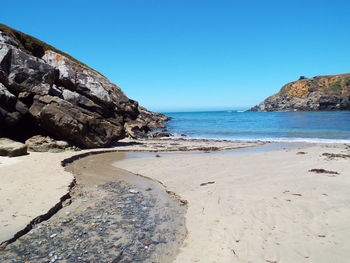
331, 92
44, 91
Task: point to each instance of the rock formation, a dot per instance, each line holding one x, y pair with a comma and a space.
40, 143
319, 93
44, 91
12, 148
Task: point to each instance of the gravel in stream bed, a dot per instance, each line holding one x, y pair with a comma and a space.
124, 225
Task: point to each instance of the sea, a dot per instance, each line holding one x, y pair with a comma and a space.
238, 125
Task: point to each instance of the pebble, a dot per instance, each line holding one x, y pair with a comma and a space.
130, 217
133, 191
147, 242
54, 258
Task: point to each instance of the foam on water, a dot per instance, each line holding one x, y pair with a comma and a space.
308, 127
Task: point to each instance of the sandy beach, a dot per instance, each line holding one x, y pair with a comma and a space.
175, 132
245, 206
263, 207
30, 186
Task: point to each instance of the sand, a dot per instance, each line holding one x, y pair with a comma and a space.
263, 207
29, 186
112, 211
258, 207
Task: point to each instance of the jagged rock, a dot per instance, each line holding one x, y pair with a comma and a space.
64, 120
45, 91
45, 144
7, 40
145, 122
21, 72
152, 120
85, 81
11, 109
318, 93
136, 129
161, 134
12, 148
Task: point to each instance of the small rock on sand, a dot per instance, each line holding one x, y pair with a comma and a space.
12, 148
133, 191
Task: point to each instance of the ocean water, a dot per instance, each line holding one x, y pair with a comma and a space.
331, 126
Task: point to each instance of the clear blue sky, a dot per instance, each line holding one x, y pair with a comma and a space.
183, 54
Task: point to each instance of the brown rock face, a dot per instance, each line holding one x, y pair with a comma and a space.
45, 91
318, 93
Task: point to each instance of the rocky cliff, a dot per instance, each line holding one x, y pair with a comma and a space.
310, 94
45, 91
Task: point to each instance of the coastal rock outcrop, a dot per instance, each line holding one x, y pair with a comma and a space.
44, 91
146, 121
330, 92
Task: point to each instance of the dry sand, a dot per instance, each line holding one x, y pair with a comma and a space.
29, 187
262, 207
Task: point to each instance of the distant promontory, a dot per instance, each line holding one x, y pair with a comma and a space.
320, 93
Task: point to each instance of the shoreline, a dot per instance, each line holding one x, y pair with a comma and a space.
262, 206
266, 140
178, 156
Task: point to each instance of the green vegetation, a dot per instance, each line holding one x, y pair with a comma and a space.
34, 46
347, 82
335, 88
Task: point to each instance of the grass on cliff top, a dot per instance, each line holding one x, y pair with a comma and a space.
34, 46
339, 87
335, 88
